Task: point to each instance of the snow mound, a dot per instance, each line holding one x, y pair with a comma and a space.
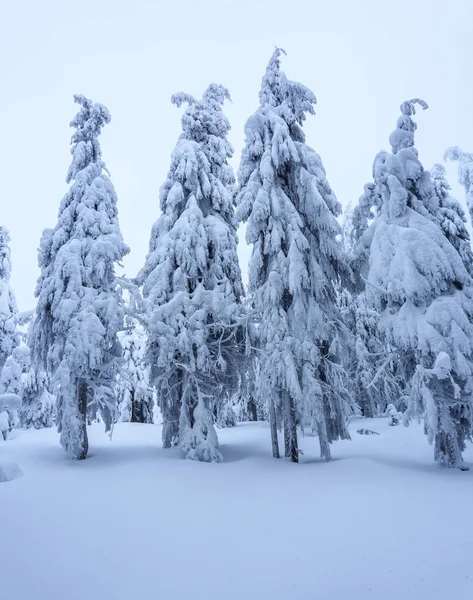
9, 471
366, 432
10, 401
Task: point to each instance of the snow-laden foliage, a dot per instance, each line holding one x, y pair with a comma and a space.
420, 286
452, 217
291, 212
13, 357
248, 404
465, 173
9, 405
421, 194
376, 368
11, 383
9, 338
38, 408
134, 395
365, 211
79, 311
192, 283
394, 417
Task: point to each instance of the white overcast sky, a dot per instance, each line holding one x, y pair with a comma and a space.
361, 58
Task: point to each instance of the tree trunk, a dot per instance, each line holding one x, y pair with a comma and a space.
290, 429
133, 408
171, 415
274, 431
287, 438
190, 409
82, 392
368, 409
447, 451
253, 413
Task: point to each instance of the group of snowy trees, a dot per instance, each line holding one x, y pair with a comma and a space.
341, 317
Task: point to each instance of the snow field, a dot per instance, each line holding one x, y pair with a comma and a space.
134, 520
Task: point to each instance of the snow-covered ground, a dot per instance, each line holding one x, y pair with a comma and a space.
137, 522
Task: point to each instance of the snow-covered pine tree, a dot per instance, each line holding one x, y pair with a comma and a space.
135, 397
452, 216
296, 261
13, 357
11, 383
465, 173
192, 282
38, 407
249, 405
79, 311
9, 338
418, 282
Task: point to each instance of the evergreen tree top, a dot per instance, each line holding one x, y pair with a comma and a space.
401, 172
403, 135
204, 122
85, 145
277, 90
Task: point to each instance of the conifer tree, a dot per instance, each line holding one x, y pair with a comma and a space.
452, 217
9, 338
192, 283
80, 311
465, 173
135, 397
296, 263
11, 383
249, 405
419, 284
38, 407
14, 358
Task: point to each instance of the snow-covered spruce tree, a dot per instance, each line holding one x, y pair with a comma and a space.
296, 262
38, 406
249, 405
80, 311
452, 216
13, 357
9, 338
192, 282
135, 397
465, 173
418, 282
11, 383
